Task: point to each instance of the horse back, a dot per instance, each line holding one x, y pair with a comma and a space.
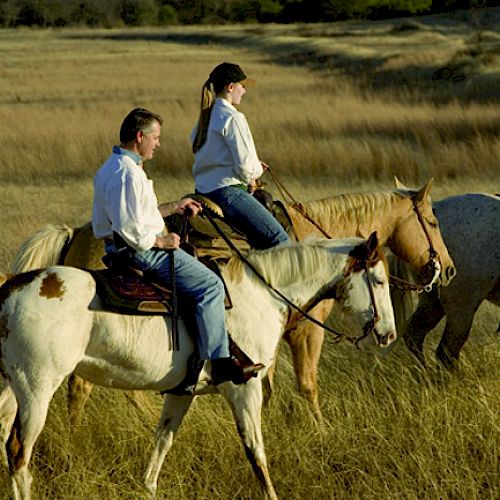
470, 225
85, 250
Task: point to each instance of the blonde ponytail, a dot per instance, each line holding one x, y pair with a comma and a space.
207, 102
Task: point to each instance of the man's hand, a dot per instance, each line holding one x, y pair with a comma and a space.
170, 241
252, 186
189, 206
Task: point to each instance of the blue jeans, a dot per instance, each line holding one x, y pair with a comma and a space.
246, 214
202, 286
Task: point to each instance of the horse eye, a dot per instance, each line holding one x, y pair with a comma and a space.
432, 223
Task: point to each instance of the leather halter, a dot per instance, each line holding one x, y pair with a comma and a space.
393, 280
368, 328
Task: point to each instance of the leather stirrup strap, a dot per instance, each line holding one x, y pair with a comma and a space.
175, 329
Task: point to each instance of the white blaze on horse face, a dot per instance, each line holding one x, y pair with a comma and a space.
360, 305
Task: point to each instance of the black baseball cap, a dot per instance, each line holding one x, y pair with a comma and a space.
226, 73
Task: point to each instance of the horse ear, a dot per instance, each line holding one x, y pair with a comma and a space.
424, 192
3, 278
372, 245
399, 184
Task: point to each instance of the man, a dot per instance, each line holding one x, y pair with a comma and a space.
125, 213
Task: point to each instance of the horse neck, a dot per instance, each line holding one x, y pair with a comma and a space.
356, 214
298, 271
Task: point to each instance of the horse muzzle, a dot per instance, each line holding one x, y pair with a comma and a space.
386, 340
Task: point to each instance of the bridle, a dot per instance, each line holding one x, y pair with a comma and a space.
368, 328
433, 264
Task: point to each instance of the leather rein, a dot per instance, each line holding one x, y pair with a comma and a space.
394, 281
368, 328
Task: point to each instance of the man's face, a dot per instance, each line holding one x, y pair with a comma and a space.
149, 141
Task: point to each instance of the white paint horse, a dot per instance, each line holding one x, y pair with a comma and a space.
470, 225
52, 324
403, 220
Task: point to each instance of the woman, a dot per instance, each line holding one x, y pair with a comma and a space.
226, 163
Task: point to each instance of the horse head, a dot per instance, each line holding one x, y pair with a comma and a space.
364, 293
419, 240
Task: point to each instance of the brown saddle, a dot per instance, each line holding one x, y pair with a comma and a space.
126, 290
206, 239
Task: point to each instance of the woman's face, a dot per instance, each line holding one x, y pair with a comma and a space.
237, 91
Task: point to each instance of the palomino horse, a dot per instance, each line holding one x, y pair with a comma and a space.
470, 225
403, 219
52, 324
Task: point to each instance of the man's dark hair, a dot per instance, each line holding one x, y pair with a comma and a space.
139, 119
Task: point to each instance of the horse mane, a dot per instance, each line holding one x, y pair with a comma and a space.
353, 207
284, 265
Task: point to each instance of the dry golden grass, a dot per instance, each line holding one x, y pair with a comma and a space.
330, 115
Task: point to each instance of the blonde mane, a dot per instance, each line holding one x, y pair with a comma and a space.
355, 207
284, 265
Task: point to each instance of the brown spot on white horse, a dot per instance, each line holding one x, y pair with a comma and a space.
52, 287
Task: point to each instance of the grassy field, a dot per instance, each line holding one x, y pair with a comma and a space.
338, 108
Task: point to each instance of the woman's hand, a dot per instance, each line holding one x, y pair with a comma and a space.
189, 206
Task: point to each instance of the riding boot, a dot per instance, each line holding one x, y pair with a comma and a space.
188, 385
231, 370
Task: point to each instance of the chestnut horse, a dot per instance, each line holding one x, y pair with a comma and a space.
404, 222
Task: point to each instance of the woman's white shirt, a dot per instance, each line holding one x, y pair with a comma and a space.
228, 156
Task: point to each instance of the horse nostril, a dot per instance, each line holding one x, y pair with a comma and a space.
388, 339
450, 273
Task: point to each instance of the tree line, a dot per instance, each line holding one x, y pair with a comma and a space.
119, 13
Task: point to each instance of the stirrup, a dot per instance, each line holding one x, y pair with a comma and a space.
233, 370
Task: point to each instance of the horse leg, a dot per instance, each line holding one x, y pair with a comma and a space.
457, 331
142, 404
268, 380
305, 341
174, 410
8, 410
427, 315
33, 399
78, 394
246, 405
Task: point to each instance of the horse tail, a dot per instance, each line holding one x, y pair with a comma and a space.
404, 302
44, 248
